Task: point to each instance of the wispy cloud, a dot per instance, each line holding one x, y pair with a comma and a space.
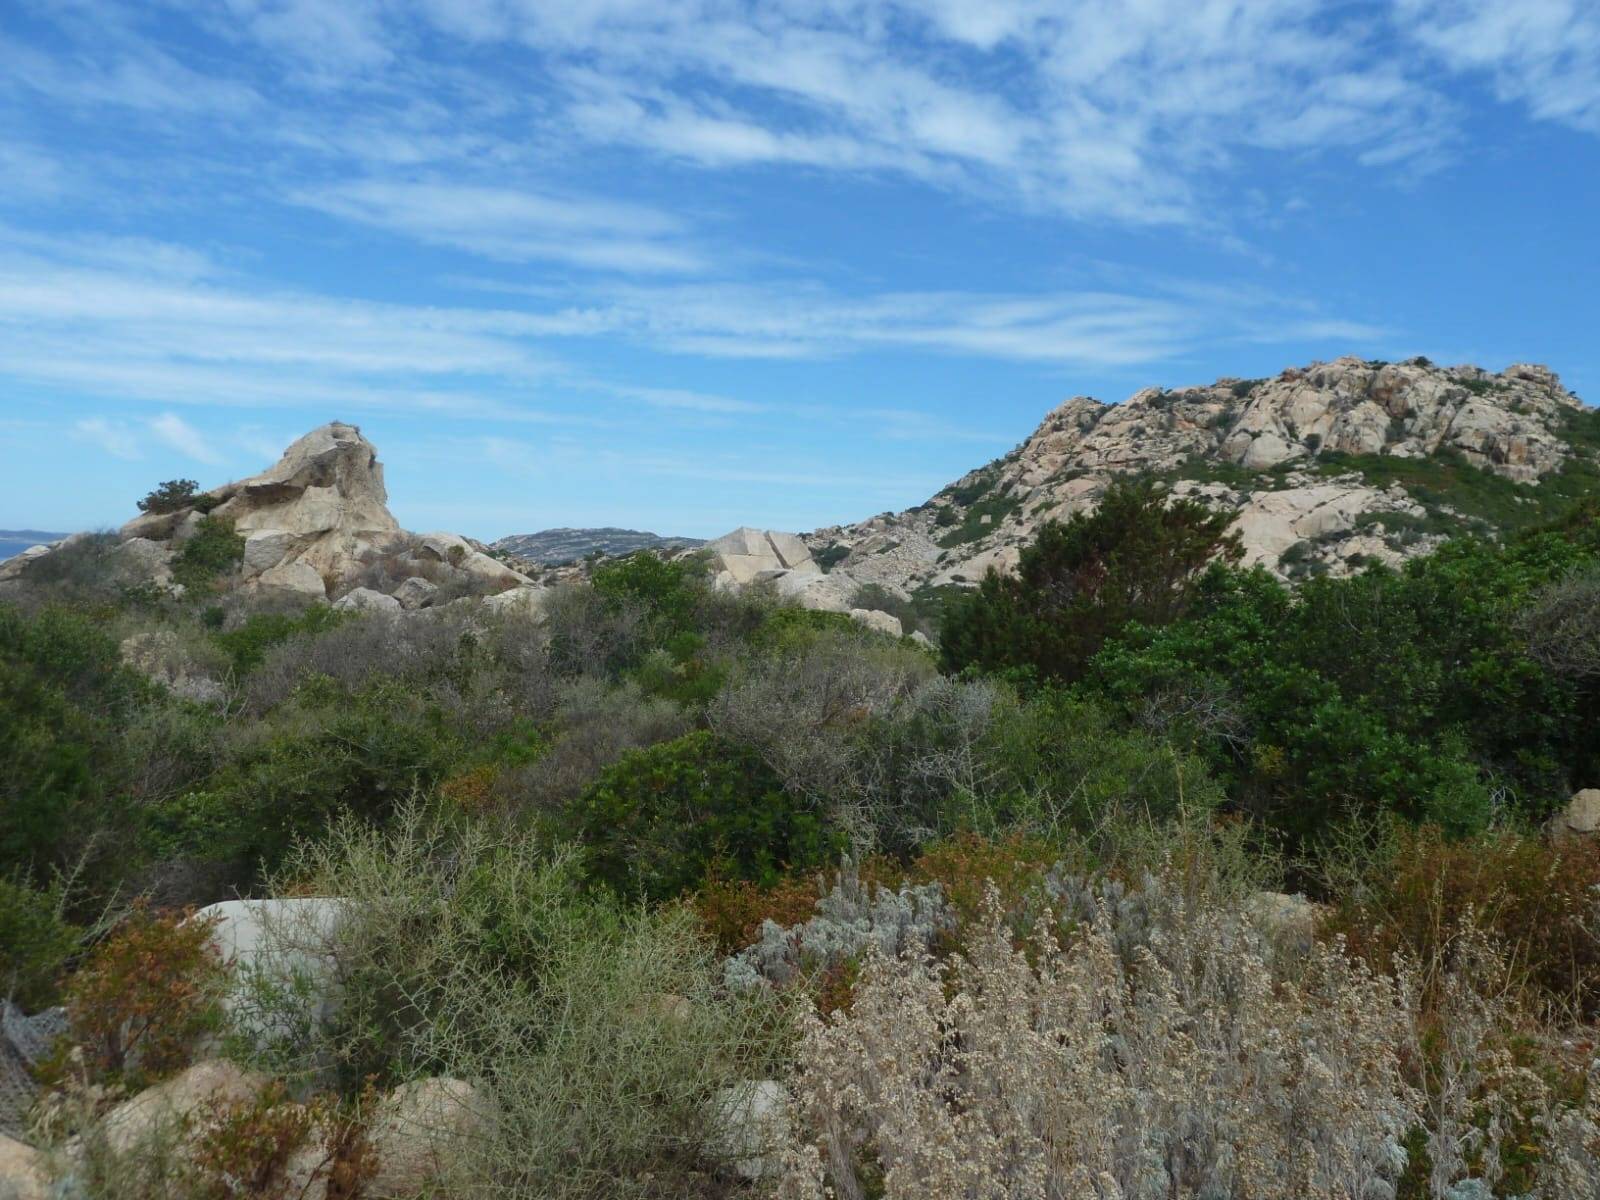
1544, 54
114, 437
516, 225
140, 320
172, 430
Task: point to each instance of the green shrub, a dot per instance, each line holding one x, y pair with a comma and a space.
212, 550
1137, 558
169, 497
35, 943
599, 1032
662, 817
1409, 692
328, 754
64, 700
247, 645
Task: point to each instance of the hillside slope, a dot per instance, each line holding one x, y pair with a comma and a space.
1328, 467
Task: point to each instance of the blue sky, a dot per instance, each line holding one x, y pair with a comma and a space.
689, 265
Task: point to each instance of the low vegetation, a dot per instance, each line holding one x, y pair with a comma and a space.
1011, 917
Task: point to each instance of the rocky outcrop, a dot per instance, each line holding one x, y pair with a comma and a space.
323, 505
315, 526
746, 555
1290, 455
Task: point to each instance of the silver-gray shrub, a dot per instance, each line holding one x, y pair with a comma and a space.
850, 917
600, 1035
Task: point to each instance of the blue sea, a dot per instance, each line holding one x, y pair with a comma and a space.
10, 546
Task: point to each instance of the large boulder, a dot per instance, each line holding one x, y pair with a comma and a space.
751, 1124
526, 601
1581, 816
298, 577
418, 1129
24, 1173
364, 599
283, 946
178, 1102
266, 548
746, 554
416, 592
327, 493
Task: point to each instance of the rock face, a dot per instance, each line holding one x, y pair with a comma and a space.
1292, 456
746, 555
323, 505
316, 526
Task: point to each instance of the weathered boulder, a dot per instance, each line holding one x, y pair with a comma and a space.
159, 655
24, 1171
326, 491
1581, 816
266, 548
449, 548
416, 592
746, 554
528, 600
18, 563
299, 577
877, 620
826, 593
751, 1124
281, 945
364, 599
488, 571
418, 1129
180, 1099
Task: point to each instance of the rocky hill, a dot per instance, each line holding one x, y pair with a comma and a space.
554, 547
1328, 467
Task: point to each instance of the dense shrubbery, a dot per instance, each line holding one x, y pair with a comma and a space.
1139, 736
1137, 557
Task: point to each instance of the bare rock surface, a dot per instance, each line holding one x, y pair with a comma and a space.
1290, 455
24, 1173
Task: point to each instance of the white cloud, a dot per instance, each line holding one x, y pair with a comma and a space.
515, 225
1544, 54
114, 437
174, 431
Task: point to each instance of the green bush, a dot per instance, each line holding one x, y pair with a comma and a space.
599, 1032
35, 943
328, 754
247, 645
170, 496
1410, 692
212, 550
658, 820
65, 699
1138, 557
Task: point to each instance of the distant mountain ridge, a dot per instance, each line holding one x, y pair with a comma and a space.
552, 547
1327, 467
